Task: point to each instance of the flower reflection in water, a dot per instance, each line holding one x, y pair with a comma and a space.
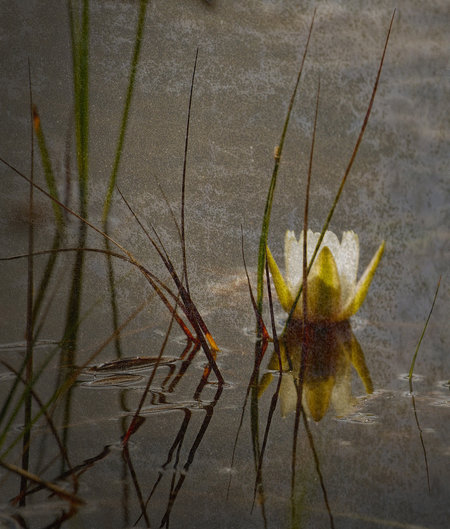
332, 350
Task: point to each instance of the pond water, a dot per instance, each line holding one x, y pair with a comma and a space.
383, 460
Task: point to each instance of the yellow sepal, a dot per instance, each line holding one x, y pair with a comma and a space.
363, 285
284, 295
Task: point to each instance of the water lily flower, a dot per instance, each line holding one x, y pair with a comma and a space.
333, 293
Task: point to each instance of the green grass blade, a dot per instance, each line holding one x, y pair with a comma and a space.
48, 272
347, 172
83, 116
123, 126
273, 183
23, 397
115, 169
36, 375
79, 31
423, 332
47, 165
61, 389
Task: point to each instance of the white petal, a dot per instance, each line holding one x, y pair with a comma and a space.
311, 243
293, 254
347, 263
288, 394
331, 240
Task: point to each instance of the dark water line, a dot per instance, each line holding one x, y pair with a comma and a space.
70, 336
183, 368
149, 383
137, 487
252, 387
29, 325
66, 420
254, 421
171, 371
125, 499
274, 400
205, 424
272, 408
76, 471
114, 307
178, 443
298, 412
174, 489
319, 473
198, 439
411, 390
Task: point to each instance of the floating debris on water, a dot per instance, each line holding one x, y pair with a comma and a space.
165, 407
132, 363
112, 381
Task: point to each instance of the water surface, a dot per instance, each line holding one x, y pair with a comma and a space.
371, 458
